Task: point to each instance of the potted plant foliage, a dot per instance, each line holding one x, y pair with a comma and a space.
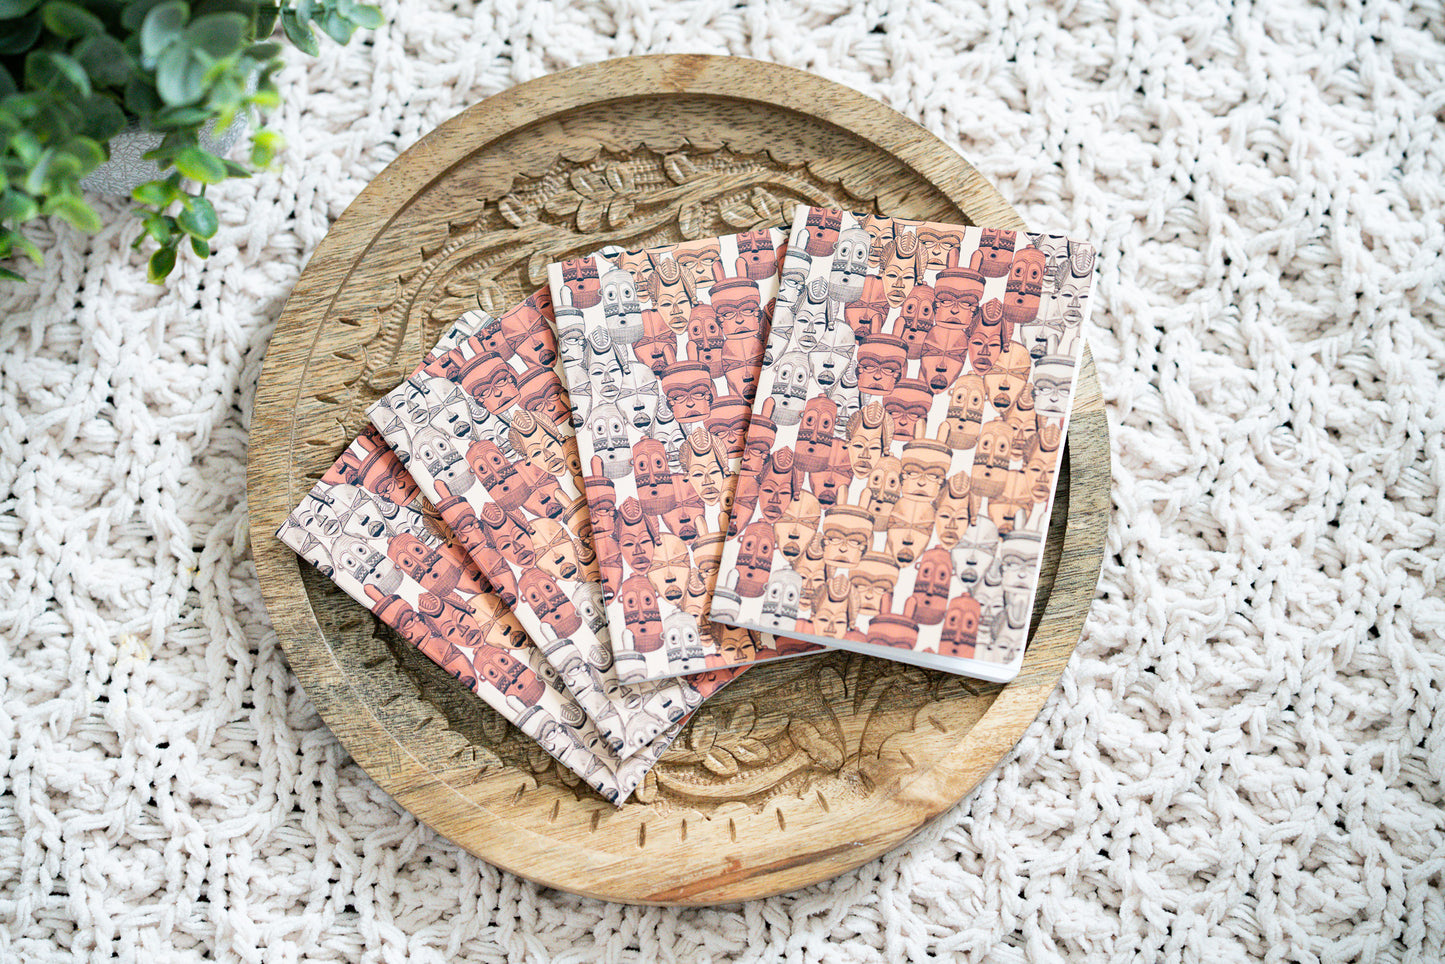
77, 74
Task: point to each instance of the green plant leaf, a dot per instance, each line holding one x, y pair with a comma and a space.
103, 118
367, 17
266, 15
73, 209
104, 59
65, 171
17, 207
198, 218
179, 117
218, 34
27, 147
265, 145
141, 99
198, 165
299, 33
87, 152
9, 275
172, 144
7, 83
10, 9
23, 245
69, 21
35, 178
161, 264
235, 170
163, 27
134, 14
180, 77
265, 99
155, 193
58, 116
12, 116
337, 27
52, 70
226, 93
18, 36
201, 247
159, 228
246, 8
265, 79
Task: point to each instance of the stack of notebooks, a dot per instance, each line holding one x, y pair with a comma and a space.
599, 508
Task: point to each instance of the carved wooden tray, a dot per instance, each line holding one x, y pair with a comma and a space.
800, 770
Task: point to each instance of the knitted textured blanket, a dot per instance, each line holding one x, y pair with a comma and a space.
1246, 754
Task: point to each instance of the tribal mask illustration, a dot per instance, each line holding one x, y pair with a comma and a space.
966, 399
847, 532
953, 513
622, 310
780, 599
657, 348
540, 593
973, 556
689, 392
881, 362
755, 559
908, 403
930, 587
1025, 286
960, 627
758, 256
609, 440
579, 276
822, 231
705, 341
791, 377
870, 433
850, 265
995, 252
815, 434
797, 525
776, 487
1052, 382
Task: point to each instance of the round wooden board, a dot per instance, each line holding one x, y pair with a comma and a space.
800, 770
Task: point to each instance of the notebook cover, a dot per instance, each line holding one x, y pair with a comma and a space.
661, 352
365, 526
914, 411
485, 431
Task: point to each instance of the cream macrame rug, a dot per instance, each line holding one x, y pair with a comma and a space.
1245, 758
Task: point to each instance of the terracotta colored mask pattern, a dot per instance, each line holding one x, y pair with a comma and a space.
911, 426
484, 430
365, 526
672, 340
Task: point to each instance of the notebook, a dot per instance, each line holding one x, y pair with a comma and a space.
485, 431
913, 409
365, 526
661, 351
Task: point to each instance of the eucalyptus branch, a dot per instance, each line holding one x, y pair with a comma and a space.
74, 73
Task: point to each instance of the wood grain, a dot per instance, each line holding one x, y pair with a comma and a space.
801, 770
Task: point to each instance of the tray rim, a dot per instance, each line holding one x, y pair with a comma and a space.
401, 774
